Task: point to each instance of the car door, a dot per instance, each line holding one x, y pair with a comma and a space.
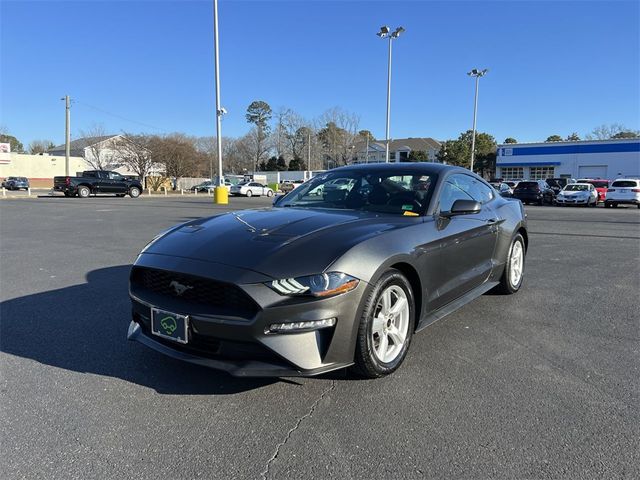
463, 259
256, 188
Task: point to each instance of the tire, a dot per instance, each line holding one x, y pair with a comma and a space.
83, 192
249, 193
614, 205
607, 204
269, 193
509, 282
67, 194
372, 359
134, 192
541, 202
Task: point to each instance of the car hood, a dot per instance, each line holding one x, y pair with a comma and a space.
278, 242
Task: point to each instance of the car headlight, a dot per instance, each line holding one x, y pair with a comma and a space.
320, 285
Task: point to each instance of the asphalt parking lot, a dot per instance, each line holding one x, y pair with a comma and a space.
543, 384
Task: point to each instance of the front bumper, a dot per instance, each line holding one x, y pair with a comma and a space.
238, 343
572, 201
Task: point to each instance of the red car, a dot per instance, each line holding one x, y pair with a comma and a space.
601, 186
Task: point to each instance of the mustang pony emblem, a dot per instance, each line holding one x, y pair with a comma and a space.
179, 288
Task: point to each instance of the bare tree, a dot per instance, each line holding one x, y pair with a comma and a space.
134, 151
40, 146
177, 153
338, 132
614, 130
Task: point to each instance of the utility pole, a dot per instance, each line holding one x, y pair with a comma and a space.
67, 134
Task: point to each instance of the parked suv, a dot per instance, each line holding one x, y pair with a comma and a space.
623, 190
534, 191
16, 183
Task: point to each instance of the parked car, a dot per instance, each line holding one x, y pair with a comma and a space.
249, 189
16, 183
623, 191
600, 185
317, 284
287, 186
93, 182
209, 185
503, 189
534, 191
512, 183
578, 194
558, 184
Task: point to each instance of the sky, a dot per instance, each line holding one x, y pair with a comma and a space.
147, 66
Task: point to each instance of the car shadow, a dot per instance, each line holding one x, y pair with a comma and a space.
83, 328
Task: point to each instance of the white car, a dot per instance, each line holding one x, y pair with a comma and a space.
578, 194
623, 190
249, 189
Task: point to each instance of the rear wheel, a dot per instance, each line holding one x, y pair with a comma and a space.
513, 275
134, 192
386, 326
84, 192
607, 204
269, 193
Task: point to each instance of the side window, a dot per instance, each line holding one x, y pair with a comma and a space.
452, 191
115, 176
477, 190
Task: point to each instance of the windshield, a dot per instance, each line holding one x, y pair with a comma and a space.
576, 187
388, 192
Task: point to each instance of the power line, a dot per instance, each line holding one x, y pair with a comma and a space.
116, 115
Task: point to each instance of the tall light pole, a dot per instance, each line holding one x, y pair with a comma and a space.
475, 73
384, 33
221, 194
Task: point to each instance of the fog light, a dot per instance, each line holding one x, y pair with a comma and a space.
294, 327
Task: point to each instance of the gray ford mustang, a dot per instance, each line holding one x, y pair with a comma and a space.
342, 271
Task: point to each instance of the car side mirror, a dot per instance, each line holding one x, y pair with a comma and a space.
464, 207
276, 200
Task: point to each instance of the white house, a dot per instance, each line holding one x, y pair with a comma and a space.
399, 150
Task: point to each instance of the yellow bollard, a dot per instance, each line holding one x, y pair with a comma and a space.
221, 195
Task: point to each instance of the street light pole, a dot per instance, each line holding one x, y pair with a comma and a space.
384, 33
477, 74
221, 194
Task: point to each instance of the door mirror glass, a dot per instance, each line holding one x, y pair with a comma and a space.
464, 207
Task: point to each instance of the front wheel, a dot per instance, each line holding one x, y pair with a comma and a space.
269, 193
513, 275
134, 192
386, 326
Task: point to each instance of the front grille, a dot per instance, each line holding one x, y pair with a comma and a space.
223, 297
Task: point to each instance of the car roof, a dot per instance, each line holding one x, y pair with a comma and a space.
417, 167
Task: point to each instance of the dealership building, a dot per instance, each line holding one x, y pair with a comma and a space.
607, 159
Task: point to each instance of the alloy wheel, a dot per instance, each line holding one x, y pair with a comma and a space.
390, 324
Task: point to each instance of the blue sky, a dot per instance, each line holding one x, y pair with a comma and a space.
555, 67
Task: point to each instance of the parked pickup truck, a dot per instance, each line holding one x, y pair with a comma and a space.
93, 182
